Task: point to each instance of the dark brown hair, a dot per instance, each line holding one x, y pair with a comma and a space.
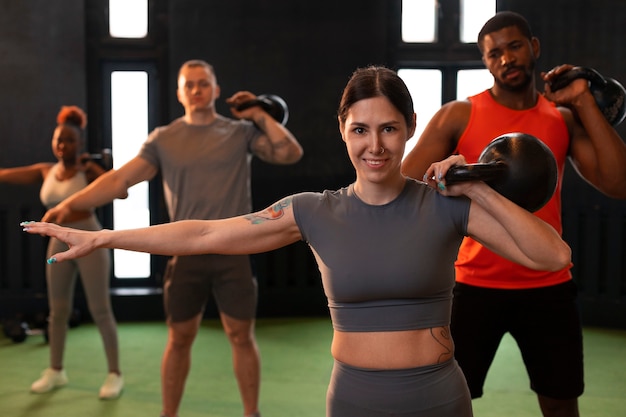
376, 81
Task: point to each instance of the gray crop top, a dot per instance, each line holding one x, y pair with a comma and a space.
389, 267
53, 191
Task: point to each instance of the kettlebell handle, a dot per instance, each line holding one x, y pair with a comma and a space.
274, 105
596, 80
487, 171
261, 101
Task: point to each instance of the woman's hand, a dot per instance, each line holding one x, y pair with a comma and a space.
435, 176
80, 242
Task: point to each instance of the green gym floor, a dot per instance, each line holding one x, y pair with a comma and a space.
296, 365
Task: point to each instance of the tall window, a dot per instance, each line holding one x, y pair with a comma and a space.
129, 129
426, 37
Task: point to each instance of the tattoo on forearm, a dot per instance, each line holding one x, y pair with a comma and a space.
442, 334
282, 148
271, 213
282, 143
267, 149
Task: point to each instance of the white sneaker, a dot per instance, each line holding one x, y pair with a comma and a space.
112, 387
50, 379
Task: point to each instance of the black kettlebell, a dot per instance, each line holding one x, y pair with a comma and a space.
104, 157
274, 105
517, 165
608, 93
16, 330
75, 318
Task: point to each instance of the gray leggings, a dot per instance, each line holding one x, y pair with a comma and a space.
428, 391
94, 272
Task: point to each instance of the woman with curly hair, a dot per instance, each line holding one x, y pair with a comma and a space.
72, 172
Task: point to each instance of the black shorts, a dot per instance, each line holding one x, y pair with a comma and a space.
545, 323
190, 280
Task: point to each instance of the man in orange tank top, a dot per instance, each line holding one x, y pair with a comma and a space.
494, 296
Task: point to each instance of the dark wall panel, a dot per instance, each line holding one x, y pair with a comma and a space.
42, 67
302, 51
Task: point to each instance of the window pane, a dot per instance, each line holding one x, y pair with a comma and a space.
129, 127
425, 89
470, 82
128, 18
418, 20
474, 14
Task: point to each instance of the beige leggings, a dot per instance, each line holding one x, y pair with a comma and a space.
94, 270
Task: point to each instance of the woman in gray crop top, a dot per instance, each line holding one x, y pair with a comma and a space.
71, 173
385, 247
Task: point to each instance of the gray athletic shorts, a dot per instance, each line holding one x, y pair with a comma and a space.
190, 280
427, 391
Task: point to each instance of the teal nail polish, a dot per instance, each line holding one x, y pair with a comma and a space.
26, 223
441, 186
52, 260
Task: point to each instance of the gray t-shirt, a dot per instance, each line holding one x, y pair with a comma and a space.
205, 169
388, 267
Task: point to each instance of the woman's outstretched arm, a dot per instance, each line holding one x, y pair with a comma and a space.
262, 231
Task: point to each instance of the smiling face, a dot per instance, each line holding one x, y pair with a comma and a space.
371, 126
510, 57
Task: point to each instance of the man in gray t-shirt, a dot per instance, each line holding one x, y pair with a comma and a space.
204, 160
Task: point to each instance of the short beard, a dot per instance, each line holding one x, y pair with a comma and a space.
528, 79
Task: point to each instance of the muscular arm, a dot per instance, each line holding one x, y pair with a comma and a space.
276, 145
439, 138
263, 231
107, 187
597, 152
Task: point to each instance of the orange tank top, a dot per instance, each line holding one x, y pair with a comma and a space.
475, 264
